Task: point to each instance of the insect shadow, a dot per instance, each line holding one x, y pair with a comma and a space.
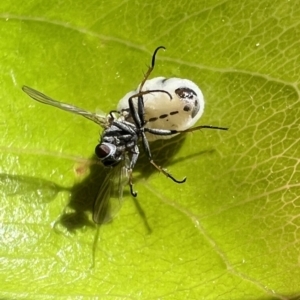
83, 194
29, 189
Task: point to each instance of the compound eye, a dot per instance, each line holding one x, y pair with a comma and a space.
105, 153
103, 150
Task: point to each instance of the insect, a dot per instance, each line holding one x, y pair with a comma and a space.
159, 108
179, 112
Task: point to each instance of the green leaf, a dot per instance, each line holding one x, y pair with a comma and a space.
231, 231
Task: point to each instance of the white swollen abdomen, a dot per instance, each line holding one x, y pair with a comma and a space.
161, 112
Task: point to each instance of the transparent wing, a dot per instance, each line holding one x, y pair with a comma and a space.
40, 97
110, 195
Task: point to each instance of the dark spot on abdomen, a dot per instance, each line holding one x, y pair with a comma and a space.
152, 119
174, 112
163, 116
187, 108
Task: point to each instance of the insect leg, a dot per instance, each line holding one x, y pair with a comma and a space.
160, 169
166, 173
202, 127
161, 131
141, 93
171, 132
150, 69
134, 158
124, 126
135, 113
111, 113
138, 115
141, 110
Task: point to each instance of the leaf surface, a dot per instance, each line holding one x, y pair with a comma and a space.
231, 231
